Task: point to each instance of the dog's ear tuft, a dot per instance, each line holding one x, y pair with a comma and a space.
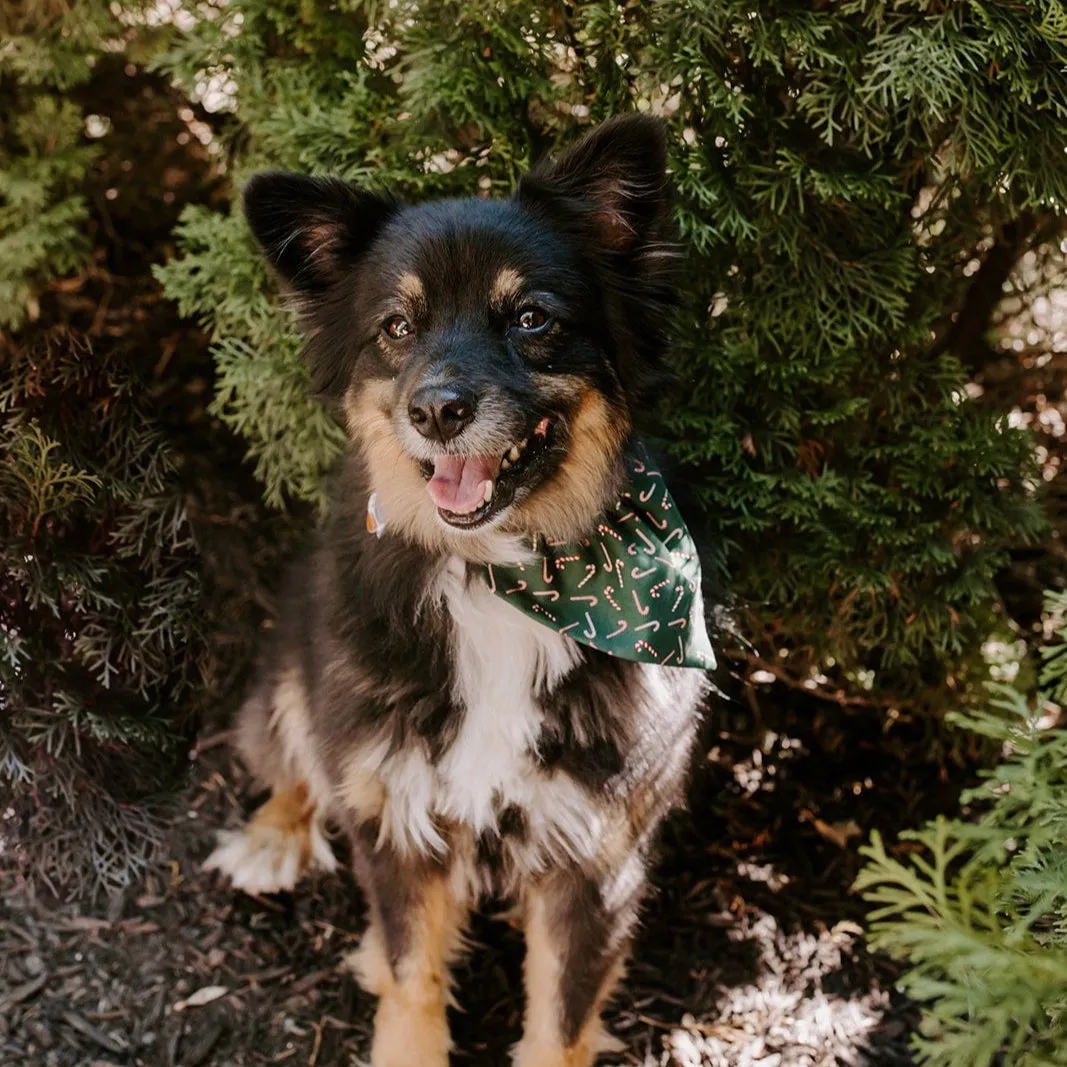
615, 176
312, 229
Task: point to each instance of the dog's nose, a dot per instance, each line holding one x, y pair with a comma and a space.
439, 412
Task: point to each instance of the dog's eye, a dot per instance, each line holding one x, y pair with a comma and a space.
532, 319
397, 327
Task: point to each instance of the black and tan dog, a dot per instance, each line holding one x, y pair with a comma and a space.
488, 357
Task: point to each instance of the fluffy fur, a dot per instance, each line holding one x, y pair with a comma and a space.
461, 746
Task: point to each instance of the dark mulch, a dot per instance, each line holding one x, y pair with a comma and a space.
751, 950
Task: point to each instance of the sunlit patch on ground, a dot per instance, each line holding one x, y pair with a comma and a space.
789, 1016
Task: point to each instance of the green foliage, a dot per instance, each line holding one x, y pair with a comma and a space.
842, 170
100, 596
100, 590
47, 48
979, 911
261, 385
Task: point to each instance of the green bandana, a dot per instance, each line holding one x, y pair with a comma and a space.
631, 589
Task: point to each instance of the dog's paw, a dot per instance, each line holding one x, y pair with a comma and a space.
534, 1052
263, 858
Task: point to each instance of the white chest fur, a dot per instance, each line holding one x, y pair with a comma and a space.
503, 662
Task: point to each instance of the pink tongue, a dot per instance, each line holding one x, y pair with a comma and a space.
458, 482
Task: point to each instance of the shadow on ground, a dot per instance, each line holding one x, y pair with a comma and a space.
751, 951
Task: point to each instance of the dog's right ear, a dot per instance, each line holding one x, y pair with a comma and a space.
313, 229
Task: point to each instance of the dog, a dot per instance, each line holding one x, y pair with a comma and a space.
442, 686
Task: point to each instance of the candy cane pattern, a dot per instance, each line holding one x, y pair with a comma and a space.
638, 551
649, 544
544, 611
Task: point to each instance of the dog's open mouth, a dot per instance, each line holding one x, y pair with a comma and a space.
469, 489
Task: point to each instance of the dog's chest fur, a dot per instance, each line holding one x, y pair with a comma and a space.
504, 664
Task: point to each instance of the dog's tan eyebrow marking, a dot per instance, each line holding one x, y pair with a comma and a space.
410, 288
506, 286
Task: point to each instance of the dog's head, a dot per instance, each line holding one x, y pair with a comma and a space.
488, 355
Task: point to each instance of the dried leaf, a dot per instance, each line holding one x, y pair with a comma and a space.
838, 832
201, 997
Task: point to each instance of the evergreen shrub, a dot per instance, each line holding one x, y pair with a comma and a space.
977, 908
855, 181
100, 583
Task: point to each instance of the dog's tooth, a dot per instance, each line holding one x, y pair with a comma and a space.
542, 428
515, 453
505, 464
487, 494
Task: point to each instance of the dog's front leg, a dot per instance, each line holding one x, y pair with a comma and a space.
577, 935
415, 932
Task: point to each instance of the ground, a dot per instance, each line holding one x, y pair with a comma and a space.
751, 952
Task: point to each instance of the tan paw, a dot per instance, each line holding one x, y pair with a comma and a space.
281, 843
540, 1053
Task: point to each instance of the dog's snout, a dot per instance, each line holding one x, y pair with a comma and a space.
440, 412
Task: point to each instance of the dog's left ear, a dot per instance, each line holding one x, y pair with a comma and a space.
615, 178
312, 229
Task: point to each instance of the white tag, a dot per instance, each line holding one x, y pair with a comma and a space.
375, 518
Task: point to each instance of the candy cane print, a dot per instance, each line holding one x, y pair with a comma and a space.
644, 537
